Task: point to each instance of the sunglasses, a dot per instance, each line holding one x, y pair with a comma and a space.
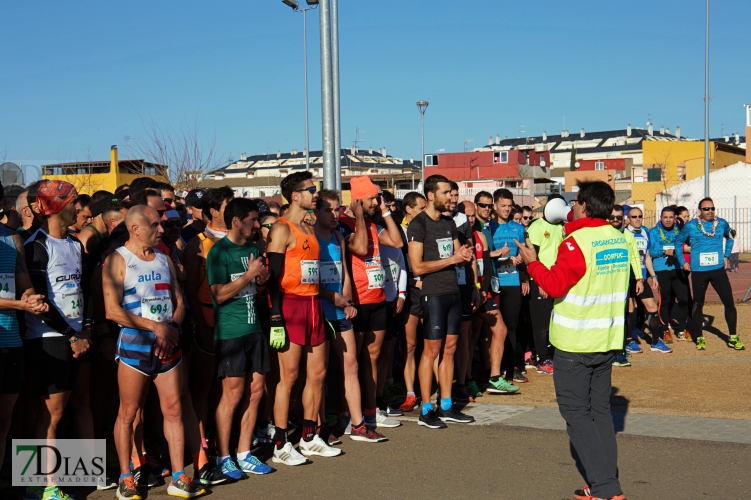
167, 224
484, 205
268, 226
635, 216
310, 189
526, 218
161, 212
168, 200
616, 217
707, 209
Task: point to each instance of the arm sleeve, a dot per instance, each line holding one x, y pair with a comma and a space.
729, 237
402, 284
37, 260
568, 269
276, 264
655, 249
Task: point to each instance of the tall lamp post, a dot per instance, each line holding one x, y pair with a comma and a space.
312, 4
421, 107
706, 107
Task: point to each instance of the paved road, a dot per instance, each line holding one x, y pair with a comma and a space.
494, 461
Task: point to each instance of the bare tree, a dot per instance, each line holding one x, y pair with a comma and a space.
183, 150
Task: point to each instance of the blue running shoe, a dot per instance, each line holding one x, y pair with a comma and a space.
253, 465
660, 347
633, 348
230, 470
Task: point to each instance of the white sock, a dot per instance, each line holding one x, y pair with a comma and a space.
243, 455
219, 460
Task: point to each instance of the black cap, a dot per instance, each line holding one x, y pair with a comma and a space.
123, 193
98, 207
195, 198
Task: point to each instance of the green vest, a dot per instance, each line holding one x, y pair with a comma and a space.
591, 317
548, 238
633, 253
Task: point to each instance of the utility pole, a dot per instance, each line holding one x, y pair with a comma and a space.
706, 107
327, 98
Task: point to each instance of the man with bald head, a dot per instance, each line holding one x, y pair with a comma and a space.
139, 282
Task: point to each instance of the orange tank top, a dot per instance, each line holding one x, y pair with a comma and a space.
300, 274
368, 275
204, 292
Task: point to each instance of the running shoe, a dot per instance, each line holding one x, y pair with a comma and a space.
409, 404
158, 466
633, 348
127, 489
519, 378
108, 484
431, 421
230, 470
251, 464
687, 336
145, 478
501, 386
344, 426
462, 395
383, 420
583, 494
53, 494
454, 415
288, 455
210, 474
668, 337
333, 440
701, 345
679, 336
394, 412
544, 367
473, 389
316, 446
184, 488
660, 347
621, 361
366, 434
264, 434
32, 493
736, 343
529, 361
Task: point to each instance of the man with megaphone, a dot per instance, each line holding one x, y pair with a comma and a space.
589, 284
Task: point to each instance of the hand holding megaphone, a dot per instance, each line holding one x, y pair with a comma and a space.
557, 211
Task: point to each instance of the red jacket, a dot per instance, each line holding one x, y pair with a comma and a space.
570, 265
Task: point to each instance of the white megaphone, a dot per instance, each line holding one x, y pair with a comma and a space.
557, 211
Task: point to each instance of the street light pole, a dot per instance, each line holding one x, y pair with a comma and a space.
335, 82
327, 98
706, 107
421, 107
296, 8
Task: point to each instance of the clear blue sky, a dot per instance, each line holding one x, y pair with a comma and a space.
77, 77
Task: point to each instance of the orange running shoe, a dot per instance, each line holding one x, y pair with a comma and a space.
687, 336
668, 337
409, 404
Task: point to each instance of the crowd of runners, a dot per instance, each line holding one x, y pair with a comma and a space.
252, 319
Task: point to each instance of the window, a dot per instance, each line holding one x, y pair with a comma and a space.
599, 165
500, 157
431, 160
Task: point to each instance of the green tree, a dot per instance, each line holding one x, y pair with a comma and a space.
572, 167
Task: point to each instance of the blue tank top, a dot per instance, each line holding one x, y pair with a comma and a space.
505, 234
10, 335
330, 275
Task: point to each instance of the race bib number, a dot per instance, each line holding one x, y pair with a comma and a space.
309, 272
157, 308
445, 247
461, 275
393, 272
376, 277
247, 291
73, 304
8, 286
331, 272
709, 259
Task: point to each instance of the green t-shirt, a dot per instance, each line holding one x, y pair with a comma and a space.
548, 237
238, 316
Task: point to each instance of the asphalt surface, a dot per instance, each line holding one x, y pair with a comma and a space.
488, 461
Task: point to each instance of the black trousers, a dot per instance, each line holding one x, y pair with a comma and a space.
509, 301
540, 310
700, 281
582, 389
672, 284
